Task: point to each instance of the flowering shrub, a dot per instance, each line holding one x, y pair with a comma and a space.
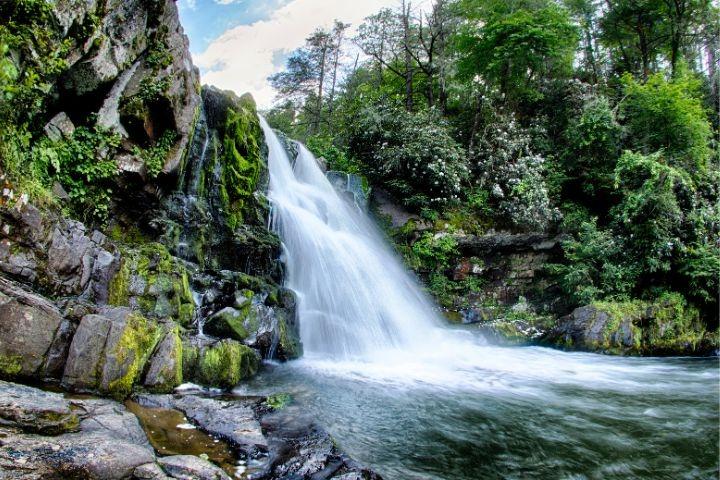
412, 154
512, 173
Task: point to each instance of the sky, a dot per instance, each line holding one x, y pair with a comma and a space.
237, 44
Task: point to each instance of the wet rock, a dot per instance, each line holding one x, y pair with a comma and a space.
59, 127
165, 371
109, 351
351, 185
35, 410
149, 471
188, 467
232, 420
110, 443
32, 330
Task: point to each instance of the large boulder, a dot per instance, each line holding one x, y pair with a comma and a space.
109, 352
109, 443
35, 337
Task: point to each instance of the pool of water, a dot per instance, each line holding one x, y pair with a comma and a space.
513, 413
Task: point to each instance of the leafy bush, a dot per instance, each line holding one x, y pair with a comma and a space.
507, 167
412, 154
595, 267
669, 116
656, 199
593, 146
336, 158
84, 166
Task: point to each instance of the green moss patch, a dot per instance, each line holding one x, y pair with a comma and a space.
226, 363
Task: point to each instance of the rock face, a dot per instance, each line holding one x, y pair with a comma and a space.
35, 410
35, 336
664, 327
190, 467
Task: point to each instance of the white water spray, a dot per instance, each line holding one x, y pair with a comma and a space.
355, 298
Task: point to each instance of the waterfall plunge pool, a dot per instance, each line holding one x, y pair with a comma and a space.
529, 413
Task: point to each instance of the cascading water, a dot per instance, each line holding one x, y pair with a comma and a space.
416, 399
355, 299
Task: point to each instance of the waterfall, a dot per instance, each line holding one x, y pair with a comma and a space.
355, 298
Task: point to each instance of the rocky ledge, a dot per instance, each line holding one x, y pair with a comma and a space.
46, 435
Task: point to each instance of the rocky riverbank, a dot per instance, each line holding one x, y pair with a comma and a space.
48, 435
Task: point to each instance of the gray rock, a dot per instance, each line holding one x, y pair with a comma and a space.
233, 420
150, 471
109, 351
35, 410
59, 127
188, 467
31, 327
86, 351
165, 371
109, 418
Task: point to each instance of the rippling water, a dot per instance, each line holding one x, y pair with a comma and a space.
528, 413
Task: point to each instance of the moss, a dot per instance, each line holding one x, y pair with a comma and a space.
152, 279
10, 365
172, 378
226, 363
278, 401
137, 341
666, 325
241, 162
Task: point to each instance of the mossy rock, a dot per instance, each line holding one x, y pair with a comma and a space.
229, 323
166, 365
127, 354
225, 363
666, 326
155, 282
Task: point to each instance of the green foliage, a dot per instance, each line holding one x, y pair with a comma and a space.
434, 252
593, 145
337, 158
595, 266
154, 157
668, 116
513, 50
412, 154
656, 198
84, 166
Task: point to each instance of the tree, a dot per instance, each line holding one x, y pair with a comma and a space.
514, 51
669, 116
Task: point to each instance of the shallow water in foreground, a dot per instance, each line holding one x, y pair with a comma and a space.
520, 413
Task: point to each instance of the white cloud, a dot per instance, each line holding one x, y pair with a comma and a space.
241, 59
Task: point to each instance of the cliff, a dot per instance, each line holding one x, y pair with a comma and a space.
134, 249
